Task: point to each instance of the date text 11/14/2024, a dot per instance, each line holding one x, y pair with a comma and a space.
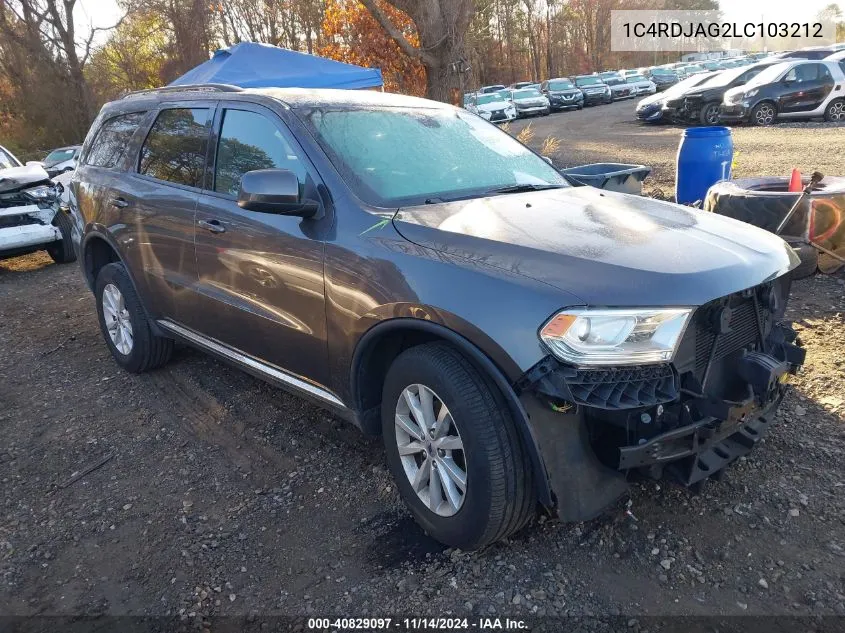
416, 624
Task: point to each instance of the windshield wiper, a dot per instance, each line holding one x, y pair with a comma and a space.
524, 188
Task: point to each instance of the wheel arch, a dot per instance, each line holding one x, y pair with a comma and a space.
97, 250
382, 343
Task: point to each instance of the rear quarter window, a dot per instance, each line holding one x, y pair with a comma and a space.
112, 140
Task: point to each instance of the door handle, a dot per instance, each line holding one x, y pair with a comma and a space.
120, 203
212, 225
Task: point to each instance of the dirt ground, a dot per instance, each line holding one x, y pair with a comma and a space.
611, 134
213, 493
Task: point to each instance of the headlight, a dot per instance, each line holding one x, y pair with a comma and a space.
615, 336
751, 93
39, 194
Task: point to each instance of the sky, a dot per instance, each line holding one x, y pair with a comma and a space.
105, 13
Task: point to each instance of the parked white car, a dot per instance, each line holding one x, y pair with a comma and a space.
7, 159
31, 217
492, 107
641, 85
529, 101
62, 159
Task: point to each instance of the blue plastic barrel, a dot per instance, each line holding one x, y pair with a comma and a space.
704, 158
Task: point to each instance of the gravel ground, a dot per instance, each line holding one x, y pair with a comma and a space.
611, 134
214, 494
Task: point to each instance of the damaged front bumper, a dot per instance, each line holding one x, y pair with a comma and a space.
687, 420
27, 227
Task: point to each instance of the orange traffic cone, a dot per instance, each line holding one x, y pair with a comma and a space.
795, 185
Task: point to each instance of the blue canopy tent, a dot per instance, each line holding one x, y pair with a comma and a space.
251, 65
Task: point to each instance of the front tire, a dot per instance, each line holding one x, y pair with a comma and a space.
62, 252
709, 114
763, 114
124, 323
453, 449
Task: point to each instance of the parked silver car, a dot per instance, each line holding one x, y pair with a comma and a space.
529, 102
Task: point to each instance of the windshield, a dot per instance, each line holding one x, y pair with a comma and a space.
560, 84
58, 156
491, 98
770, 74
393, 157
632, 79
661, 71
614, 81
527, 93
588, 81
6, 160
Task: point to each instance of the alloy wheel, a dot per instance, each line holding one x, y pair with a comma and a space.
116, 316
431, 450
765, 114
711, 114
837, 111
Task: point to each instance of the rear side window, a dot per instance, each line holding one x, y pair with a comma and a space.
175, 147
110, 145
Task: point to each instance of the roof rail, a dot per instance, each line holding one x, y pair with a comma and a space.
184, 88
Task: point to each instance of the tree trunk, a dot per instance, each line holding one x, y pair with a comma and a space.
441, 27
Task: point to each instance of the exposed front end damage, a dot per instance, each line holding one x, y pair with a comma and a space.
29, 202
686, 420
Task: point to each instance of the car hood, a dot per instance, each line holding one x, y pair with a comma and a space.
530, 100
15, 178
709, 93
494, 106
653, 99
606, 248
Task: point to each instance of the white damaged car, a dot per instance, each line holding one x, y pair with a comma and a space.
32, 217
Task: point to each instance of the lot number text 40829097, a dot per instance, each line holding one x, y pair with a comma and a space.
416, 624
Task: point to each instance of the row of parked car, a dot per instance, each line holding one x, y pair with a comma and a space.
499, 103
798, 84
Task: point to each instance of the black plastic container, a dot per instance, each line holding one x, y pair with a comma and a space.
610, 176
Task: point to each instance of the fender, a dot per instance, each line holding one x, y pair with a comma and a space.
104, 235
484, 364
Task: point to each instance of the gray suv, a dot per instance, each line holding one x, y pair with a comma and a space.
516, 341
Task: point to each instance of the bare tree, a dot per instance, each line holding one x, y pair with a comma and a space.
44, 58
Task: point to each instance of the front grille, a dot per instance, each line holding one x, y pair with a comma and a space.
498, 115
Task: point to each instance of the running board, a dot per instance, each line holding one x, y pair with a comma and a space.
251, 364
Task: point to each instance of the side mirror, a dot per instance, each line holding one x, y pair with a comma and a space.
274, 191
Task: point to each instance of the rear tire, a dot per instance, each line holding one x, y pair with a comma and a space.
62, 252
835, 110
498, 496
136, 347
